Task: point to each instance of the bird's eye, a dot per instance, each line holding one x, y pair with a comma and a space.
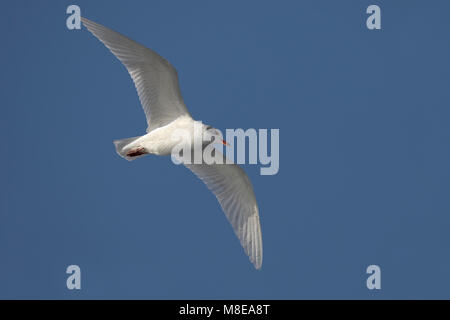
208, 127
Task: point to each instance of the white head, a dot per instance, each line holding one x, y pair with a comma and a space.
209, 133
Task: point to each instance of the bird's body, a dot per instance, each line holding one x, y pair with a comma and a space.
156, 82
158, 141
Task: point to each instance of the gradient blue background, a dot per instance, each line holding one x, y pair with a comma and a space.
364, 151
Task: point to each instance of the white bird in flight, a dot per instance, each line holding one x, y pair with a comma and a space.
156, 82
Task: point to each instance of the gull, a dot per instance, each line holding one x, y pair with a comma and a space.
156, 82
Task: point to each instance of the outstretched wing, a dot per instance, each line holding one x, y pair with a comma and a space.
233, 189
155, 78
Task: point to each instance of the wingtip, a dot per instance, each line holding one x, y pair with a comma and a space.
257, 263
88, 23
85, 22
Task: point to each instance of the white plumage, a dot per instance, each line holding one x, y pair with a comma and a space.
156, 82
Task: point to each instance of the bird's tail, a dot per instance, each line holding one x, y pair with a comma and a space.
130, 148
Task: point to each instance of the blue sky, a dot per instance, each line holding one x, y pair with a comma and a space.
364, 151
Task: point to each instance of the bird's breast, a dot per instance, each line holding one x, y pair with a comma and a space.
163, 140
